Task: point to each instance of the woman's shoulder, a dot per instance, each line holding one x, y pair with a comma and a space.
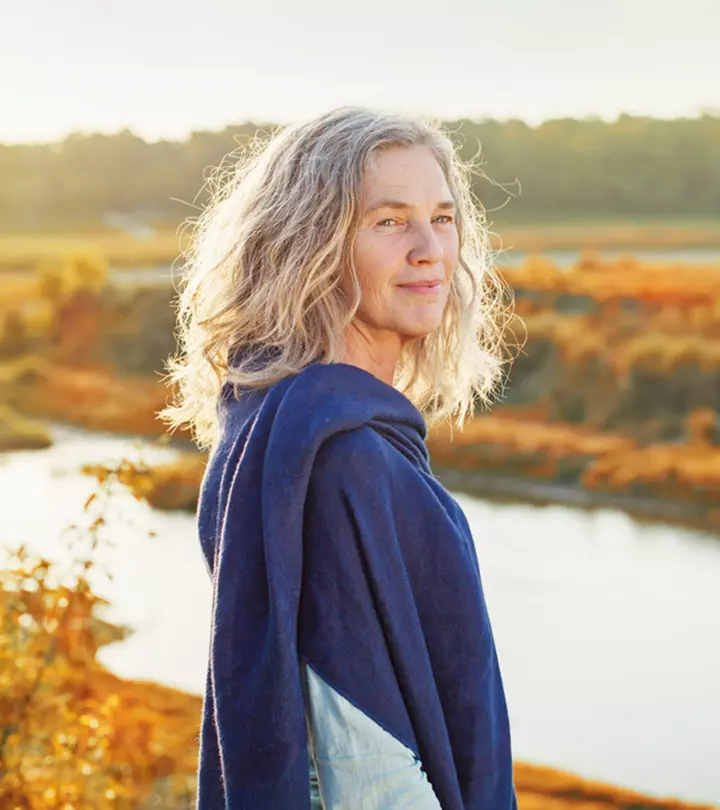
352, 456
354, 427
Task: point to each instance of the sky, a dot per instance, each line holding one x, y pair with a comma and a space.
163, 68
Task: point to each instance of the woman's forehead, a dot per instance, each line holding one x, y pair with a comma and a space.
394, 177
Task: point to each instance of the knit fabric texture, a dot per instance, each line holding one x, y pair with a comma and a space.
329, 541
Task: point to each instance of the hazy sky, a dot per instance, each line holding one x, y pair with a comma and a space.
164, 68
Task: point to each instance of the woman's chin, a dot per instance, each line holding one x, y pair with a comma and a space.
417, 331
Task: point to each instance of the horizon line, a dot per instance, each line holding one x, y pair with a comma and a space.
703, 111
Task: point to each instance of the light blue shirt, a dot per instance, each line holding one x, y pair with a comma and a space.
353, 759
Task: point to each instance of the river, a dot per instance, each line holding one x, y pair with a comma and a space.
607, 629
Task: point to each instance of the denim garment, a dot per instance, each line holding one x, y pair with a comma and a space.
353, 761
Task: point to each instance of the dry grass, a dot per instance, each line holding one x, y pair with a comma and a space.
22, 252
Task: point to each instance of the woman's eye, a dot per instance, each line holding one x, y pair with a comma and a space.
448, 220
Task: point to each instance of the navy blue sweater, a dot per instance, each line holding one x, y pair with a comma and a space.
328, 540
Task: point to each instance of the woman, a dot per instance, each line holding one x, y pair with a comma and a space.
341, 297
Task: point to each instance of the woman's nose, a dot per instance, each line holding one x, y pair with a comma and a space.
427, 248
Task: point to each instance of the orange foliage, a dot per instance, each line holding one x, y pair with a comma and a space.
671, 469
621, 278
165, 486
72, 734
25, 251
16, 288
522, 435
690, 470
512, 444
543, 788
94, 398
60, 301
580, 337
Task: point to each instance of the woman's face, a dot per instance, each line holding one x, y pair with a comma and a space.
407, 237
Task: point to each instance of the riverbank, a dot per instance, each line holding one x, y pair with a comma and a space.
507, 489
500, 455
178, 714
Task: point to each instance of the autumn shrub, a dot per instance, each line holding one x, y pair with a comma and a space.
73, 736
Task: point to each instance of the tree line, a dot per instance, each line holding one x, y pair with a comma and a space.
560, 170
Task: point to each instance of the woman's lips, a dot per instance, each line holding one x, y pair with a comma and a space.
422, 289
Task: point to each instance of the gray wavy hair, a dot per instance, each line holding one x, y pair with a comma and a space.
266, 259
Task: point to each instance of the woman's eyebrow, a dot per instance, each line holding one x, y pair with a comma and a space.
445, 205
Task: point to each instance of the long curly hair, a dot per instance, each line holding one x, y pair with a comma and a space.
261, 296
